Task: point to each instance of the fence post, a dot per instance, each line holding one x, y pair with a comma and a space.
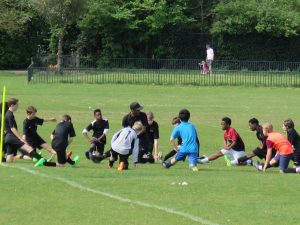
77, 60
30, 71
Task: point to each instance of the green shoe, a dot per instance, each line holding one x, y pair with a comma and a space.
76, 160
228, 163
195, 169
40, 162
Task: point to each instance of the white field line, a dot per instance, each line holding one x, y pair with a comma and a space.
112, 196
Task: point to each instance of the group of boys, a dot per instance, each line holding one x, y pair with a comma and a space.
30, 141
139, 136
274, 147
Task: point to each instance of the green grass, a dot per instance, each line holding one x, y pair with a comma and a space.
219, 194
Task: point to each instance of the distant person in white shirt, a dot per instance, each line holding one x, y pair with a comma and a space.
209, 57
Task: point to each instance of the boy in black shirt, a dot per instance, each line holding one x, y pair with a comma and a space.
136, 115
294, 139
261, 150
30, 130
152, 132
3, 147
100, 129
61, 137
13, 141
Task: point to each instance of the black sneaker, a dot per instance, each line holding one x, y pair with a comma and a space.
166, 165
96, 159
87, 155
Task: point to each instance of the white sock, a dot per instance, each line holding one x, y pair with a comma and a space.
205, 160
298, 170
249, 161
234, 162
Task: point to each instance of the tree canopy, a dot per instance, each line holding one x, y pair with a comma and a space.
103, 29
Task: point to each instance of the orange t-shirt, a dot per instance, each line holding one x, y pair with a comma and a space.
280, 143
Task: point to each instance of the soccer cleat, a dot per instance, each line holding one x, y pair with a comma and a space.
195, 169
88, 154
258, 166
200, 159
166, 165
110, 164
96, 159
121, 166
227, 160
76, 160
40, 162
69, 154
249, 162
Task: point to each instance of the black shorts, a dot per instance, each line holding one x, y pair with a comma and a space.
61, 155
99, 146
12, 144
262, 153
36, 143
296, 158
122, 158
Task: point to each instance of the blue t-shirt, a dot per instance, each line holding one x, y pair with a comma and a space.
188, 133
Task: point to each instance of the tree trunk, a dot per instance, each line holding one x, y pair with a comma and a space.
60, 51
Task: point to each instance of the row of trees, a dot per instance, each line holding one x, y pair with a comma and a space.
103, 29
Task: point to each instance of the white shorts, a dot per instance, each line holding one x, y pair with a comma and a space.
234, 155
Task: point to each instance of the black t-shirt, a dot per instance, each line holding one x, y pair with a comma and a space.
61, 134
152, 132
260, 136
98, 127
294, 139
129, 120
30, 128
9, 122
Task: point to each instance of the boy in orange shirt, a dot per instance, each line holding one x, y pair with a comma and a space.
283, 147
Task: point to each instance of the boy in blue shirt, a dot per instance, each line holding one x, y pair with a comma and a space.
190, 143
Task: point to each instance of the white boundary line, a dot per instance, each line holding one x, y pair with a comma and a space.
112, 196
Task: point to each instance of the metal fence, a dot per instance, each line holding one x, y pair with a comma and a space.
76, 61
164, 77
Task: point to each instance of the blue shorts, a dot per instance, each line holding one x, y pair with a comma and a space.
283, 160
193, 157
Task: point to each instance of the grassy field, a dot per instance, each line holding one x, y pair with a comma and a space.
93, 194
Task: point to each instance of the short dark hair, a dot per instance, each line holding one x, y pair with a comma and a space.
31, 109
97, 110
67, 118
289, 124
227, 120
12, 101
254, 121
184, 115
